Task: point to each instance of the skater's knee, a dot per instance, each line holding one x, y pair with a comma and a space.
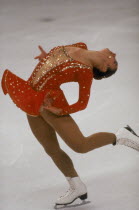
80, 148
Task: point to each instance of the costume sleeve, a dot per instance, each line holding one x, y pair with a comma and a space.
84, 78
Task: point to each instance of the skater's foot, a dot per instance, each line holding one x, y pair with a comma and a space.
77, 190
126, 136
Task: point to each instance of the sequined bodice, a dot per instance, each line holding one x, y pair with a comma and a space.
45, 68
57, 68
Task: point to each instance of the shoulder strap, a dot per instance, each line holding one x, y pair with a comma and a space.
79, 44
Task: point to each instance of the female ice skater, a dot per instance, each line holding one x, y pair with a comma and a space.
48, 111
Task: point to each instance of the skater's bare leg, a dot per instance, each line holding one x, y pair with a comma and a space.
69, 131
46, 136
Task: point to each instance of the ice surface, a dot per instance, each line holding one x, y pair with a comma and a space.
29, 180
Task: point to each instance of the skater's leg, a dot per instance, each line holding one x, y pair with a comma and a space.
46, 135
69, 131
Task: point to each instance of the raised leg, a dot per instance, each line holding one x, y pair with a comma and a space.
69, 131
46, 136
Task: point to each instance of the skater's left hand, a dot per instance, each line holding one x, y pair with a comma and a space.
48, 105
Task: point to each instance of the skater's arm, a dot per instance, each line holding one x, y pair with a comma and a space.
85, 80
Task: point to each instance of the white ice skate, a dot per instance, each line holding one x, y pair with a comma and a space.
77, 190
126, 136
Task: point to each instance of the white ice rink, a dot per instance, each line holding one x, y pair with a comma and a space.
29, 180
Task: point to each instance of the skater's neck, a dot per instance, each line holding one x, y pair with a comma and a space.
102, 59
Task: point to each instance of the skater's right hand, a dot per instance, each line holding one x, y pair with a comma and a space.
42, 55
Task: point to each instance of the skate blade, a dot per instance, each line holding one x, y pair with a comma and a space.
131, 130
63, 206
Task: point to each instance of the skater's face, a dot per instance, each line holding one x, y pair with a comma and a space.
108, 65
110, 58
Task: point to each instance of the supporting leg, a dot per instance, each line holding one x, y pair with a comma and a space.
46, 136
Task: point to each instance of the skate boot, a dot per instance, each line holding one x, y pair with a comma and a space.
77, 190
126, 136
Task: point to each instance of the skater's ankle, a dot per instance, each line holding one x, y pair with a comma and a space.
114, 140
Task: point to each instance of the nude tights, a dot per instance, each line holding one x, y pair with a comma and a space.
45, 127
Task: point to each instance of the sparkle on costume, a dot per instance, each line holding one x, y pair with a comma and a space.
52, 71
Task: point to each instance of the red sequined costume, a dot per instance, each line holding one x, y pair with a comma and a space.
52, 71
